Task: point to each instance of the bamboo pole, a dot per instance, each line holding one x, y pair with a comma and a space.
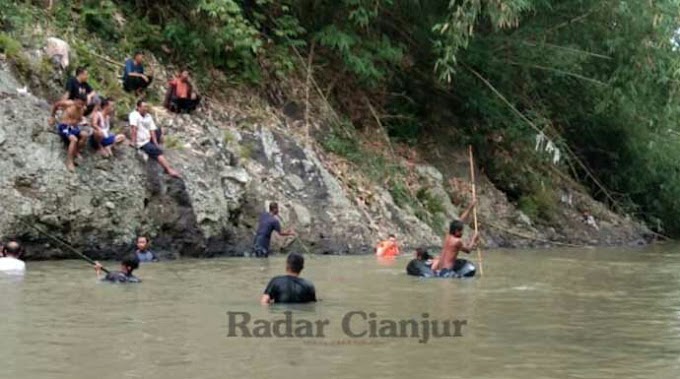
474, 209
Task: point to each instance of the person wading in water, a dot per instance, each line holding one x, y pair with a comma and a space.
290, 288
267, 224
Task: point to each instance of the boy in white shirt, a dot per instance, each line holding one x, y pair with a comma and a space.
145, 135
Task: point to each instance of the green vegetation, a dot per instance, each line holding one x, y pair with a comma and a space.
598, 78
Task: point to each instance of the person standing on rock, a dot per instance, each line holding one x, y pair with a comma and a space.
134, 78
267, 224
69, 130
290, 288
145, 135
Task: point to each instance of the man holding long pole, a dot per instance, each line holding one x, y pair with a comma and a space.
453, 244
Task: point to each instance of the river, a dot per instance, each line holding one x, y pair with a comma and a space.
593, 313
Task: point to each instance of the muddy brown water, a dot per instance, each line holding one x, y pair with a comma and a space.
580, 313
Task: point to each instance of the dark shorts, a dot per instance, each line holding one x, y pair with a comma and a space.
106, 142
152, 150
133, 83
66, 131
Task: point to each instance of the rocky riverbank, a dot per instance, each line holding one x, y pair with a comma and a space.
232, 166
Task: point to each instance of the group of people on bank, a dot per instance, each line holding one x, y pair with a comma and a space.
84, 117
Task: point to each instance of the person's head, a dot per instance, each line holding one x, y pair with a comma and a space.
139, 57
295, 263
107, 105
129, 263
81, 74
274, 208
456, 228
422, 254
142, 106
184, 75
142, 243
12, 249
392, 238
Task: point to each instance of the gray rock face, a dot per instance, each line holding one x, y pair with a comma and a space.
211, 211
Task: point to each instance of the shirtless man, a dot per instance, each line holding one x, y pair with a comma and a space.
453, 244
68, 129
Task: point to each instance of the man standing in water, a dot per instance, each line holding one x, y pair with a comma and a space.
453, 244
267, 224
10, 261
290, 288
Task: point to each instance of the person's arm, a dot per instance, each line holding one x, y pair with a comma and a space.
312, 293
466, 213
96, 119
267, 297
129, 69
380, 250
283, 233
152, 131
266, 300
133, 120
69, 86
98, 269
470, 245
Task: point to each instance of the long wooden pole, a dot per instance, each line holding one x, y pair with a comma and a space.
474, 209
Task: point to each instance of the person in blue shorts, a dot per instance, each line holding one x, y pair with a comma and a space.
145, 136
102, 139
69, 130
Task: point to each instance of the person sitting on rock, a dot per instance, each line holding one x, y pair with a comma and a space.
267, 224
388, 248
9, 261
134, 78
143, 253
78, 89
69, 130
181, 96
127, 265
588, 219
146, 136
102, 140
290, 288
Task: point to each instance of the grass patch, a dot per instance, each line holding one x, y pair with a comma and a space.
172, 143
246, 150
541, 206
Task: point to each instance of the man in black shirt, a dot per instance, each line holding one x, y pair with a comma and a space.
290, 288
127, 265
77, 88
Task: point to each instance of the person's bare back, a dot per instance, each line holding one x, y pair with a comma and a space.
449, 253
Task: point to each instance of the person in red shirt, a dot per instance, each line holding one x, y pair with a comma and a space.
388, 248
181, 97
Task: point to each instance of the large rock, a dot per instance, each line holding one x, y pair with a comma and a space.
228, 176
